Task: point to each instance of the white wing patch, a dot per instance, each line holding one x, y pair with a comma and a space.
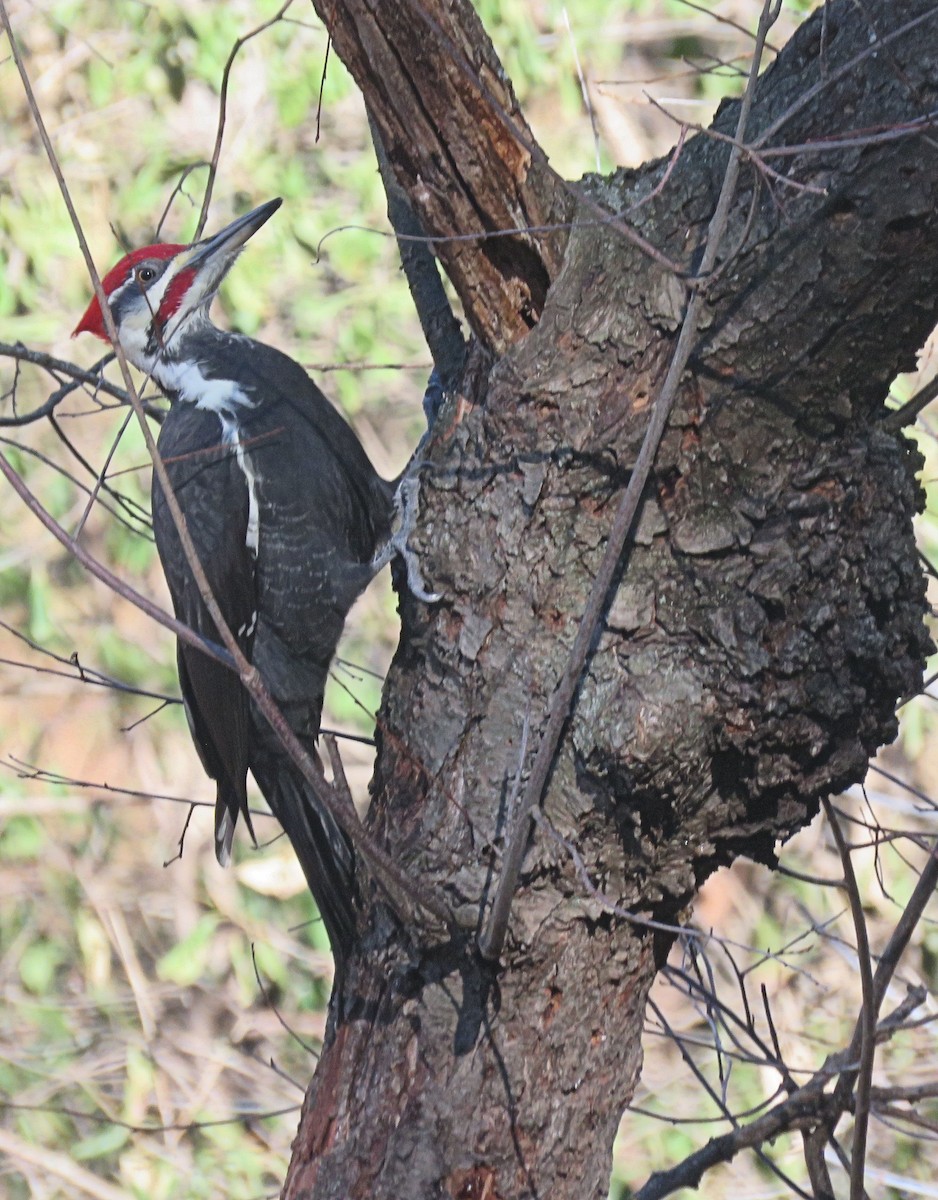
224, 832
230, 436
188, 382
247, 629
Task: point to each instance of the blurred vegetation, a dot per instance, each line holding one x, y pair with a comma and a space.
137, 996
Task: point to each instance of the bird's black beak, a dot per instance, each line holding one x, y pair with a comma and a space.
202, 266
222, 247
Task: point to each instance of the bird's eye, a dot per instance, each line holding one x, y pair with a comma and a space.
145, 274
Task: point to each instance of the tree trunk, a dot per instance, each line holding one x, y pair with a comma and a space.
768, 612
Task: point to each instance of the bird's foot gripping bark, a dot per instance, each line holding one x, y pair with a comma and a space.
406, 503
433, 398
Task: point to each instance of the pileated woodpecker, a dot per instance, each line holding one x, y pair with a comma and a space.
286, 513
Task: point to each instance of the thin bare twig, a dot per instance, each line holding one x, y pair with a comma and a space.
180, 845
177, 191
339, 778
807, 1109
29, 771
721, 20
101, 479
78, 375
100, 571
847, 139
222, 113
752, 1136
322, 87
268, 1000
905, 926
906, 413
584, 87
123, 510
101, 1118
79, 672
828, 79
867, 1021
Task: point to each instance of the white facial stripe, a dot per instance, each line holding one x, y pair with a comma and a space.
141, 302
119, 291
134, 336
183, 313
157, 289
151, 295
134, 307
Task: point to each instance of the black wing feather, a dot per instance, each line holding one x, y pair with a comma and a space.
323, 512
212, 492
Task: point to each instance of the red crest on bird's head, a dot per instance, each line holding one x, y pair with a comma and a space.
93, 319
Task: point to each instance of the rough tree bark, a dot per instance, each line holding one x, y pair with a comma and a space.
768, 612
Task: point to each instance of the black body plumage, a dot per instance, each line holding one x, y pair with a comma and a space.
286, 513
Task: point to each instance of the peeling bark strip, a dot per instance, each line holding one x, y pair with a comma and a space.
462, 150
767, 618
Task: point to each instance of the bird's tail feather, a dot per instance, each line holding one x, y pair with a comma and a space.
323, 851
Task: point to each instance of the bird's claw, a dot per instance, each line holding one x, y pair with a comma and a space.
405, 510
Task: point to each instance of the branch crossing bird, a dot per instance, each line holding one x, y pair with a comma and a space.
287, 516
